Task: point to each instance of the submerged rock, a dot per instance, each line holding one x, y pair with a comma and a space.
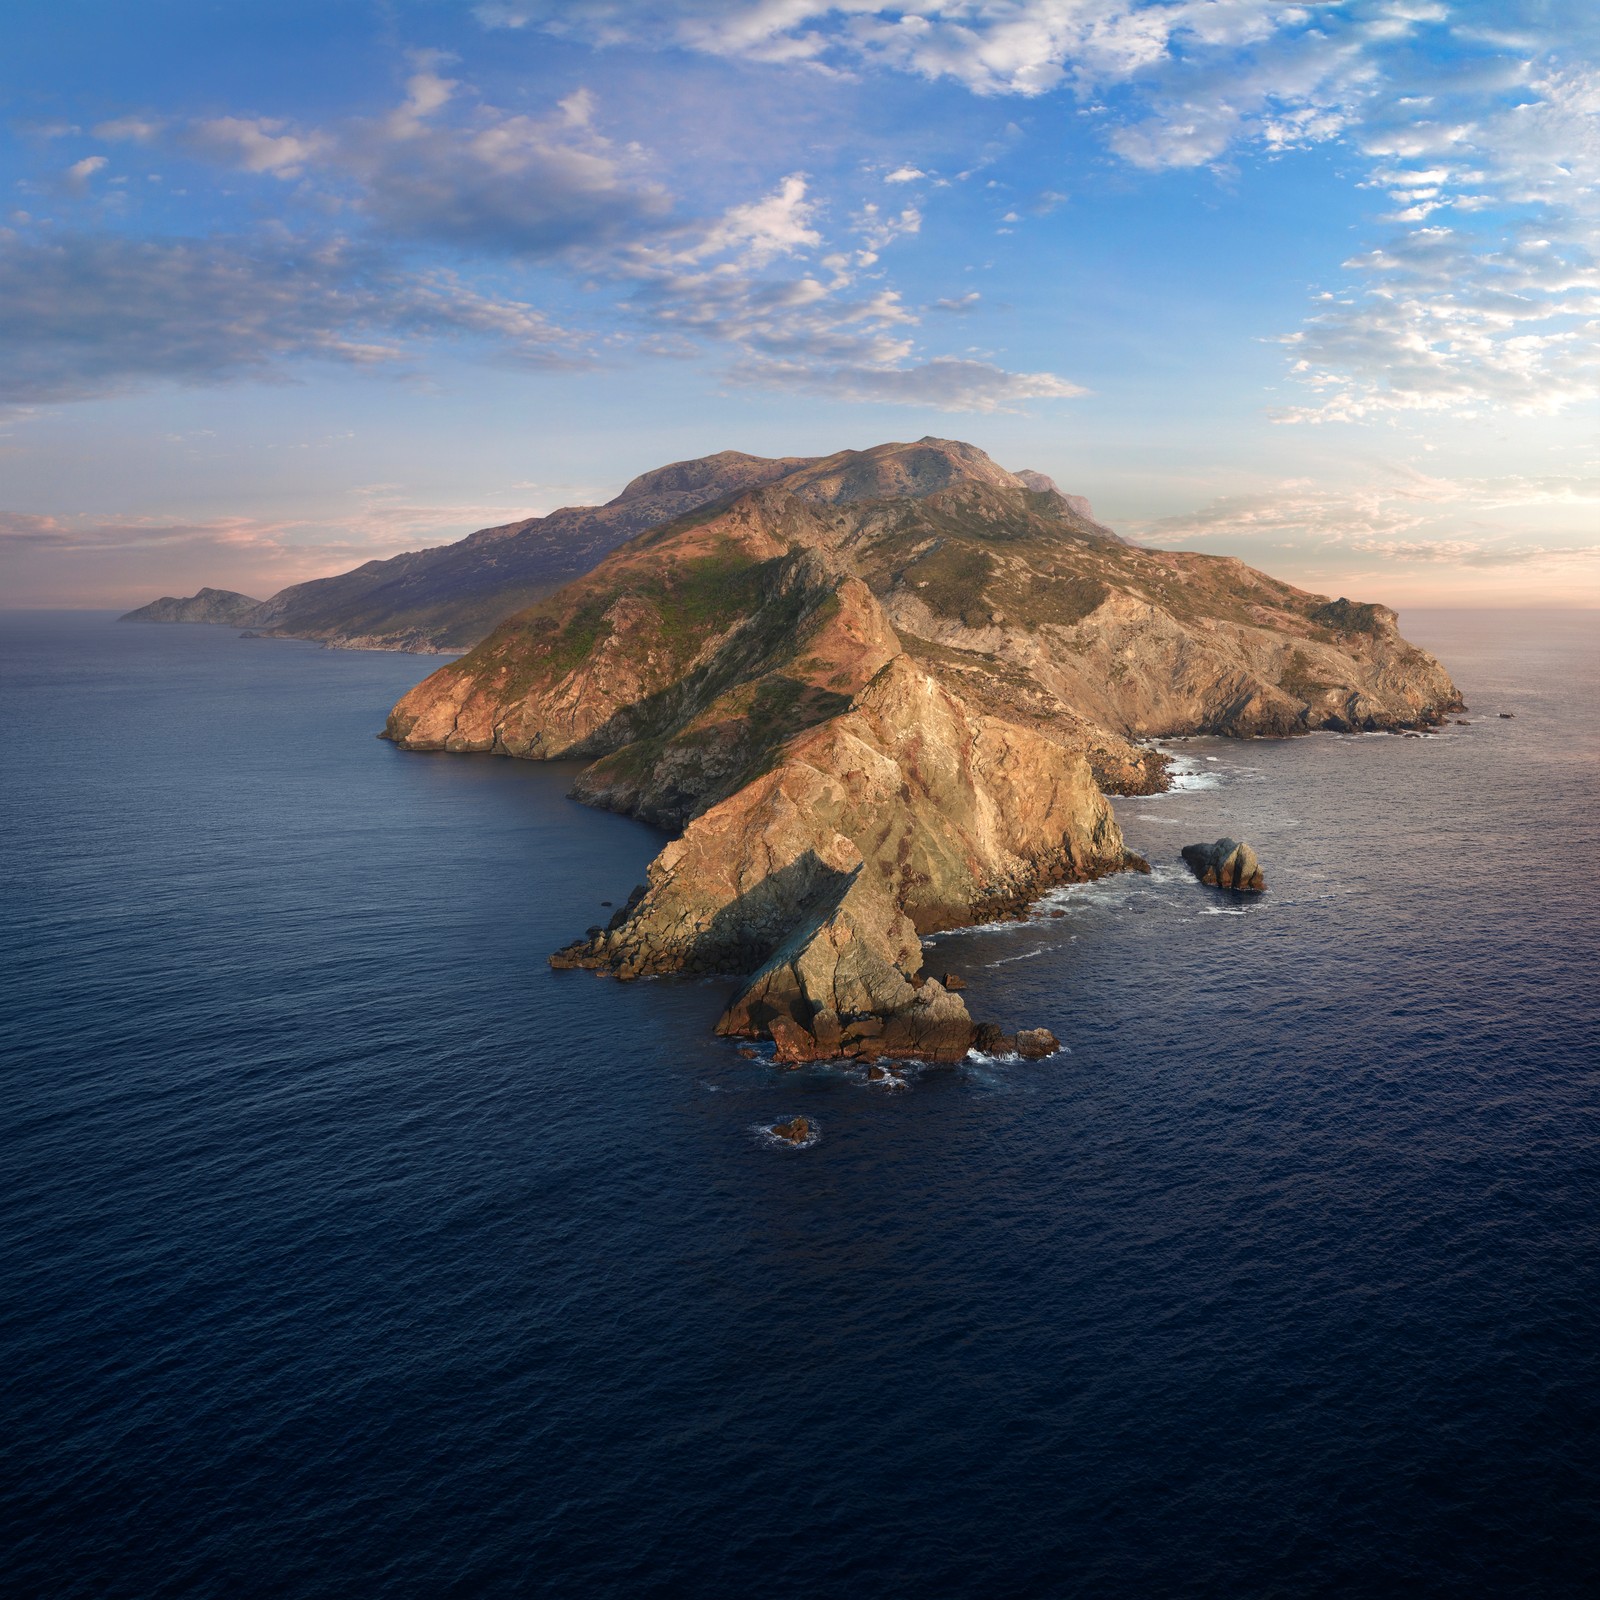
1227, 864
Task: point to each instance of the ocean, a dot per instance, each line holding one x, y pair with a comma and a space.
348, 1250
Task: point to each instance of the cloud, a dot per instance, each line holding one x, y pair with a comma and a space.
809, 326
945, 383
444, 166
1494, 300
1024, 47
1386, 515
1472, 93
75, 180
90, 314
254, 144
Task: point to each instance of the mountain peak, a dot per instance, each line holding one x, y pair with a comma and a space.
726, 472
895, 471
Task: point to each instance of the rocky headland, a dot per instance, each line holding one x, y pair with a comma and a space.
884, 693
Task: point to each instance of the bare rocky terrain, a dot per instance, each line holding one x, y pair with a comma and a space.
882, 693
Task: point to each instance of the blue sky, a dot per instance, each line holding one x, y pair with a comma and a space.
287, 286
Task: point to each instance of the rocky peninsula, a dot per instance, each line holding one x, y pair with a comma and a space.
884, 693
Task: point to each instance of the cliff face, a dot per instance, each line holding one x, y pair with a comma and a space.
208, 605
880, 695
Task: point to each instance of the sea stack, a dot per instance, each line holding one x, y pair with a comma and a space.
1227, 864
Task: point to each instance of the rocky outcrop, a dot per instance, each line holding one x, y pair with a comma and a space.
208, 605
796, 1131
1227, 864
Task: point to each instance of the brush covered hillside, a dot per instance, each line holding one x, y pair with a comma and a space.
880, 695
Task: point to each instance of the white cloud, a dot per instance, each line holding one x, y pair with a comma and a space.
255, 144
945, 383
1494, 302
76, 178
443, 166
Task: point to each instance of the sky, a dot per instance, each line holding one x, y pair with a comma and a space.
287, 285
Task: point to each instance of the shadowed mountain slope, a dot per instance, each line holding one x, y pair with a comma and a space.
449, 597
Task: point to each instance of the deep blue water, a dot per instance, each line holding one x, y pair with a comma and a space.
346, 1250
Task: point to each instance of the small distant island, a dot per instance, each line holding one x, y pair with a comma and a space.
208, 605
874, 695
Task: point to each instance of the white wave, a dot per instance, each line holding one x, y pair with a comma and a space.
1027, 955
888, 1082
1188, 782
1225, 911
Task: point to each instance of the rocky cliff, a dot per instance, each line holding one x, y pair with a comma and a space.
208, 605
880, 693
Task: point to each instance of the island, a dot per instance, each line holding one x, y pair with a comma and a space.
879, 694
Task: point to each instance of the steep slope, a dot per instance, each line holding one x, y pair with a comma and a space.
448, 597
881, 695
208, 605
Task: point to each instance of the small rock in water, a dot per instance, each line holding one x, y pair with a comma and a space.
1034, 1044
876, 1074
1058, 913
605, 902
1461, 722
951, 981
1227, 864
747, 1052
795, 1132
1506, 716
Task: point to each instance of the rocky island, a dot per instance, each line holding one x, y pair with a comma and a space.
208, 605
879, 694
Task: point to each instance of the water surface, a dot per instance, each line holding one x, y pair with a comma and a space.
348, 1250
